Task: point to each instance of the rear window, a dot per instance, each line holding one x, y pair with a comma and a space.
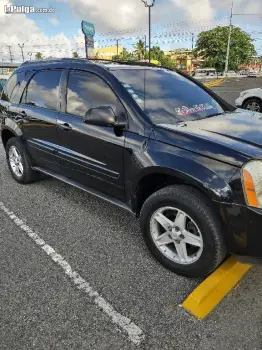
43, 90
9, 87
2, 84
14, 86
166, 96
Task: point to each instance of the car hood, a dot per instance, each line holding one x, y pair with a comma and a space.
234, 137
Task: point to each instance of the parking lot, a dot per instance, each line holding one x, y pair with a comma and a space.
232, 87
126, 300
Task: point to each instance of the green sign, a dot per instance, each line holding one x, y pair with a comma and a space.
88, 28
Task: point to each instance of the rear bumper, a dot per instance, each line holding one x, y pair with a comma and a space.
243, 230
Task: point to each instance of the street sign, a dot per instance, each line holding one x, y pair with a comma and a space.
88, 28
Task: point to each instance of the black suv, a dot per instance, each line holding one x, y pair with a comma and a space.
153, 141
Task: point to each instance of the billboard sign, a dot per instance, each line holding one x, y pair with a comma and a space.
88, 28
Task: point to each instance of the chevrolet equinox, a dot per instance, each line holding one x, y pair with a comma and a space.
151, 140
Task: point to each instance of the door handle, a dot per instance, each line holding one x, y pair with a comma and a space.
64, 125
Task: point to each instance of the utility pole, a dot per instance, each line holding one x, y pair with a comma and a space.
229, 39
21, 47
117, 47
10, 53
149, 25
191, 64
145, 49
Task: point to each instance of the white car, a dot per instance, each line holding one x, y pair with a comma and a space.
253, 74
250, 99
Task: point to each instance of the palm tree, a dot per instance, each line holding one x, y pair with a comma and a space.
39, 56
140, 50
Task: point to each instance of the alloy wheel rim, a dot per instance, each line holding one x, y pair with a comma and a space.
15, 161
253, 106
176, 235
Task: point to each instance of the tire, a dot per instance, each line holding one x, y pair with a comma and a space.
206, 226
254, 100
27, 175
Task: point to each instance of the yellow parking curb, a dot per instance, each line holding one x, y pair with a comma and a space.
214, 288
215, 82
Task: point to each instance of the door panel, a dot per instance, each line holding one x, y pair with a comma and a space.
38, 114
91, 155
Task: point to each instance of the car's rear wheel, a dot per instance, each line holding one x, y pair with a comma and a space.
182, 231
18, 162
253, 104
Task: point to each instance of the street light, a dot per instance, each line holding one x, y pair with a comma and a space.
149, 29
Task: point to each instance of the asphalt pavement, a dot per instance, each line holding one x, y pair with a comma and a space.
43, 307
232, 87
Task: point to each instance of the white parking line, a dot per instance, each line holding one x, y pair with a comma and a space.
135, 334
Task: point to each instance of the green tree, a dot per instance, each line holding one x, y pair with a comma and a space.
75, 54
212, 46
39, 56
140, 50
156, 53
167, 62
124, 56
164, 60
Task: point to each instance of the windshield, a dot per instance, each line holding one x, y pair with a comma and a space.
166, 96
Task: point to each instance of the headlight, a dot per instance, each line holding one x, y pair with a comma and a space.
243, 93
252, 183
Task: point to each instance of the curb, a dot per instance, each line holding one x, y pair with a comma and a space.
215, 82
215, 287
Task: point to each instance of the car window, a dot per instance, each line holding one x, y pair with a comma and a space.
9, 87
16, 93
167, 96
2, 84
43, 90
86, 90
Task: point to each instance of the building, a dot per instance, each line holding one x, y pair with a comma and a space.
255, 64
184, 59
108, 52
7, 67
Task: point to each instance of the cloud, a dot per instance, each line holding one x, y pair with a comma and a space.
112, 16
18, 29
53, 20
128, 14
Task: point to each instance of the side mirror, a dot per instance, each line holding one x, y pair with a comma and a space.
101, 116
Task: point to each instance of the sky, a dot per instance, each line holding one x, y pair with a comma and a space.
173, 21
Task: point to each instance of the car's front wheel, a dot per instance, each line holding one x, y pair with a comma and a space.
18, 162
182, 231
253, 104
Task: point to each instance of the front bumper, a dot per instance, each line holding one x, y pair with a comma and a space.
239, 102
243, 230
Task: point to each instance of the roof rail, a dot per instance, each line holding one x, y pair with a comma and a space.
54, 60
96, 60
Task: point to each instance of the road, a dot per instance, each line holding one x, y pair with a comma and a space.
126, 299
232, 87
